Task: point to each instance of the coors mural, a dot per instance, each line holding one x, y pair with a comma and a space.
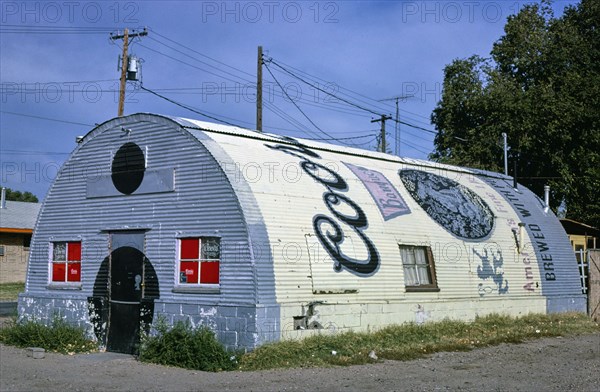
452, 205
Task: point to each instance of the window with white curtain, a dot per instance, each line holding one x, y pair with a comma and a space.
419, 268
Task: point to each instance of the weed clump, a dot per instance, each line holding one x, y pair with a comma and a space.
186, 347
59, 336
411, 341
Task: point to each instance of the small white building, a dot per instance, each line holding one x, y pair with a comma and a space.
264, 237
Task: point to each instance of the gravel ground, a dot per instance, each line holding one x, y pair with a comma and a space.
550, 364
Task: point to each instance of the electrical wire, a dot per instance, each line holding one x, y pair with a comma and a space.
47, 29
376, 102
296, 105
200, 61
45, 118
306, 101
300, 127
27, 152
346, 101
190, 108
186, 63
289, 119
346, 138
322, 90
202, 54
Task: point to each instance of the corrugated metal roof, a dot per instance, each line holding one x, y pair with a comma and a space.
301, 220
19, 215
467, 216
320, 146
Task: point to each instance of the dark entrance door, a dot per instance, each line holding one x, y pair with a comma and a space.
126, 286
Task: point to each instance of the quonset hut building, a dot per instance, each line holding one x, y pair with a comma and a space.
263, 237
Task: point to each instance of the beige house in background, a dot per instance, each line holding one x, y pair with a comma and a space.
17, 220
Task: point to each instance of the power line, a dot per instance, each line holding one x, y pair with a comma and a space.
300, 127
27, 152
294, 103
289, 119
322, 90
200, 61
190, 108
186, 63
375, 102
202, 89
414, 147
346, 138
346, 101
306, 101
415, 126
203, 55
329, 83
45, 118
4, 85
50, 30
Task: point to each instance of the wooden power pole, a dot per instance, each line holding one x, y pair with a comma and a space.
259, 98
124, 63
397, 144
382, 119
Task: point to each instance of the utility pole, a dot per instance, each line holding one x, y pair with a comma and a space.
397, 145
505, 154
124, 63
259, 98
382, 119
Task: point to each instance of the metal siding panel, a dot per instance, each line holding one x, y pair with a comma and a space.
199, 203
288, 206
265, 214
547, 239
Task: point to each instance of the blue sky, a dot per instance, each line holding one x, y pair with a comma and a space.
58, 68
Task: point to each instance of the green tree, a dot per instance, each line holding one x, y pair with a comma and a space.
20, 196
541, 86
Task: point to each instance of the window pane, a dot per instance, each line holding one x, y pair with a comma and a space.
74, 251
424, 275
211, 249
209, 272
420, 256
407, 255
188, 272
74, 272
189, 248
58, 272
60, 251
410, 276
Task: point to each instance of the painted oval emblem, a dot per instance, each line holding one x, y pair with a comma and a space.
453, 206
128, 168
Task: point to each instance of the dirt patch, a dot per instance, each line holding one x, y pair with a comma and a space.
551, 364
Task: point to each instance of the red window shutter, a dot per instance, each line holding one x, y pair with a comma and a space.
190, 248
58, 272
209, 272
74, 251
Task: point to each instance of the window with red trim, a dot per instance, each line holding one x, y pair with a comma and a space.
199, 259
66, 261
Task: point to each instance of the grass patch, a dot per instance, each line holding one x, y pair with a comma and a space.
10, 291
186, 347
411, 341
59, 336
